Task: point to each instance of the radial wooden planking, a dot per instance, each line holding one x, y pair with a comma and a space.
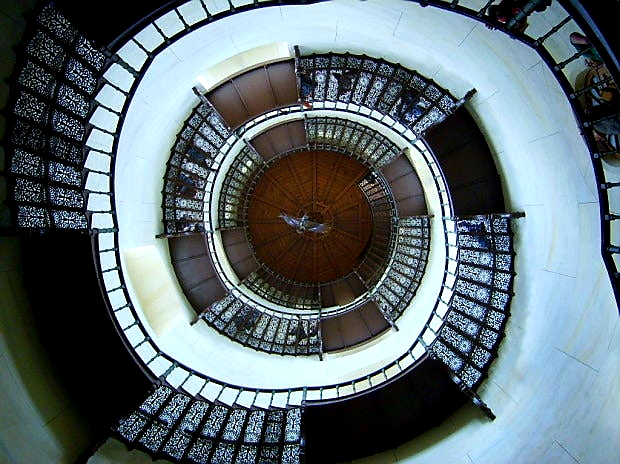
324, 185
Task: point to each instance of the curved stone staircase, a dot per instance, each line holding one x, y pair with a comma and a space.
457, 361
173, 424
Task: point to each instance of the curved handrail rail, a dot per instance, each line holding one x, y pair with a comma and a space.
119, 330
298, 112
165, 367
388, 123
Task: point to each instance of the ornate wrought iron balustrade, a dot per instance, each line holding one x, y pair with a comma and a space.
52, 86
173, 425
479, 309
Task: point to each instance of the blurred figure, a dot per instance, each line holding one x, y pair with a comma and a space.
582, 43
410, 107
508, 10
306, 88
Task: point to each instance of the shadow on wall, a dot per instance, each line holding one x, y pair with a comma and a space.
460, 420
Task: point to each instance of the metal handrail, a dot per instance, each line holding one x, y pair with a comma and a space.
351, 108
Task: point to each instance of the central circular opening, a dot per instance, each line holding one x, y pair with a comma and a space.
308, 219
316, 221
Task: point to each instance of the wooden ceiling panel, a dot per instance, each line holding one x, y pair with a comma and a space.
398, 167
263, 146
281, 139
353, 329
373, 318
238, 252
228, 104
297, 130
206, 293
343, 293
327, 172
245, 268
233, 236
406, 186
255, 91
187, 246
322, 185
193, 271
331, 334
412, 206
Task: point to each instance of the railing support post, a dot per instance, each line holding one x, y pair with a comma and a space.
473, 396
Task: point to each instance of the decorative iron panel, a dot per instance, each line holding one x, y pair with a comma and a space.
190, 170
410, 98
50, 96
181, 427
480, 306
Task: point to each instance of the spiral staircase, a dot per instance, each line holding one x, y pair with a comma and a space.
415, 239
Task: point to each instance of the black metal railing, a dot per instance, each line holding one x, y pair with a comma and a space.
380, 251
264, 330
396, 291
238, 181
360, 142
191, 170
47, 113
173, 425
406, 96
